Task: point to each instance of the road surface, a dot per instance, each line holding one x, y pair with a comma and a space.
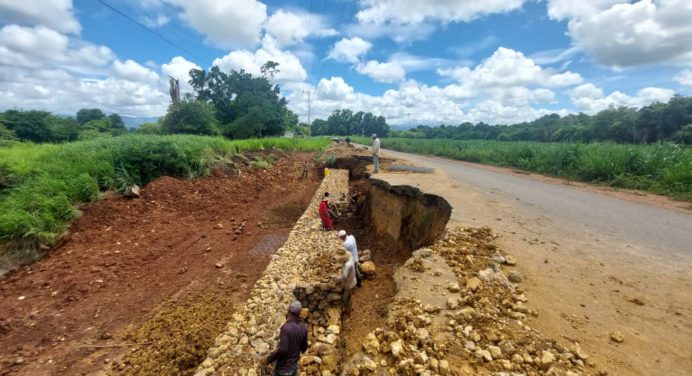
594, 262
657, 229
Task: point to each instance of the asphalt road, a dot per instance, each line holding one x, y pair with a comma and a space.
643, 225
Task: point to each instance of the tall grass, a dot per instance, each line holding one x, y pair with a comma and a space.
40, 185
663, 168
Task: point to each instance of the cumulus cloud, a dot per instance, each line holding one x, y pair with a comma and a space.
641, 32
349, 49
291, 70
334, 89
179, 68
56, 14
389, 72
40, 46
133, 71
684, 78
289, 28
507, 67
415, 12
227, 24
591, 99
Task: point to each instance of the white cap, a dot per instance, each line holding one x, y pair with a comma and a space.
342, 233
374, 135
295, 307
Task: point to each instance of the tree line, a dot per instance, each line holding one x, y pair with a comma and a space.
42, 126
345, 122
671, 121
236, 105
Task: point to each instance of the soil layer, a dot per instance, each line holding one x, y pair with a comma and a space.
126, 263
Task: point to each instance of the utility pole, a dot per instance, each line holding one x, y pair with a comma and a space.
309, 113
408, 115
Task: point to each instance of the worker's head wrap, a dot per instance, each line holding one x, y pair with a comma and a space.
295, 307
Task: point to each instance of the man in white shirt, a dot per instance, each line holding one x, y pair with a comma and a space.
352, 248
347, 280
375, 153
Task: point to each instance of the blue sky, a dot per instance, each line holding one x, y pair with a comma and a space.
433, 62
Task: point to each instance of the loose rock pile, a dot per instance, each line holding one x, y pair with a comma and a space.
301, 268
483, 330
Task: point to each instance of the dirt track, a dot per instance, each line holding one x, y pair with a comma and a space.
586, 279
125, 258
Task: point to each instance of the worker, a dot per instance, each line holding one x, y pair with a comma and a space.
352, 247
347, 279
375, 153
324, 212
293, 340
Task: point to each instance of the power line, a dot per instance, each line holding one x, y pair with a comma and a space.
199, 59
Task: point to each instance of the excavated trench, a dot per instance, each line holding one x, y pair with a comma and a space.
391, 223
395, 221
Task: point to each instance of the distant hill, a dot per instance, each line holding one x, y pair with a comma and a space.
136, 121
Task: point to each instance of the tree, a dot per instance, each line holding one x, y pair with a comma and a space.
86, 115
5, 133
150, 128
117, 125
28, 125
684, 135
270, 68
241, 100
63, 129
190, 117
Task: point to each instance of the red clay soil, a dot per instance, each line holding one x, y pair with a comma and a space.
123, 258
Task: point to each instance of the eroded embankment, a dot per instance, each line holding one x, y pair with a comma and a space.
301, 267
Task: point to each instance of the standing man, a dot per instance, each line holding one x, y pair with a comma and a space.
293, 340
352, 248
347, 280
375, 153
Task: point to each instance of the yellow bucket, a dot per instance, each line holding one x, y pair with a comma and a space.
326, 172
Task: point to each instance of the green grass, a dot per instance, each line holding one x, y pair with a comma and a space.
663, 168
41, 185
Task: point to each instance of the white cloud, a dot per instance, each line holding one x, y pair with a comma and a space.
641, 32
335, 89
43, 47
399, 33
591, 99
413, 63
684, 78
56, 14
154, 22
507, 67
291, 70
289, 28
415, 12
132, 71
389, 72
349, 50
179, 68
229, 23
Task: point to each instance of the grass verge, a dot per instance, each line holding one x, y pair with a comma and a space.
41, 185
662, 168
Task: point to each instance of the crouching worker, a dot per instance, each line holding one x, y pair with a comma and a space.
324, 212
347, 279
293, 340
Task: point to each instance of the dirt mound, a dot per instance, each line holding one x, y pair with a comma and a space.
124, 257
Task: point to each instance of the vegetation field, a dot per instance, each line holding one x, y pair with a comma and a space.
41, 184
663, 168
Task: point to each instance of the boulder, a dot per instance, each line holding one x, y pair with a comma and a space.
367, 269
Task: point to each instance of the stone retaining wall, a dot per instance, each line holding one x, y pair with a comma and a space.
301, 268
